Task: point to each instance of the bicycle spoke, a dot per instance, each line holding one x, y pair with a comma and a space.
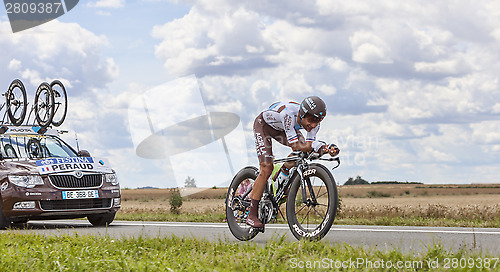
15, 110
321, 195
297, 212
319, 191
306, 216
314, 208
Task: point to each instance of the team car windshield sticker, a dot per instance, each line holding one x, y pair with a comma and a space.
56, 165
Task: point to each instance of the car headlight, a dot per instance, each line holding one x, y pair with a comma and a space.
26, 181
111, 178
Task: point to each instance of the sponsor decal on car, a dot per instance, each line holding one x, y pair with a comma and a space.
51, 161
33, 194
55, 165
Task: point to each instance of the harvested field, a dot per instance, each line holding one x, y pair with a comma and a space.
188, 206
164, 194
470, 207
394, 190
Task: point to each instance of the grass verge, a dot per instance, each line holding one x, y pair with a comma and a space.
24, 252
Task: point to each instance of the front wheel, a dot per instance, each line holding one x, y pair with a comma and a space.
238, 203
98, 220
311, 207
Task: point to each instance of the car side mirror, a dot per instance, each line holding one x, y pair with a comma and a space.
83, 153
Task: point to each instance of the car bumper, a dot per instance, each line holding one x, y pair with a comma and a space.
47, 202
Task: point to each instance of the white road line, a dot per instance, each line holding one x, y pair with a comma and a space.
183, 225
420, 231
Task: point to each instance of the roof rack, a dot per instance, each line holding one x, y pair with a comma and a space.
29, 130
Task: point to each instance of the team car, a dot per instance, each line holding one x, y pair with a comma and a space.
42, 178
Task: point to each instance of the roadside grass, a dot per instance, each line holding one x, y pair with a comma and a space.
28, 252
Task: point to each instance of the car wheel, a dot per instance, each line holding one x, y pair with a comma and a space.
4, 221
101, 219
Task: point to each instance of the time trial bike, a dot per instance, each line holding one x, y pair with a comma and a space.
310, 194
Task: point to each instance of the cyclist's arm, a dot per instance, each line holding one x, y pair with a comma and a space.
304, 147
309, 144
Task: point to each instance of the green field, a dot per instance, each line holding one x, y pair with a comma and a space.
23, 252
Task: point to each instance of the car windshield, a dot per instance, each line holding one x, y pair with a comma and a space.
34, 147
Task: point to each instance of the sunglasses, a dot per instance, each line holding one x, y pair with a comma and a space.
314, 119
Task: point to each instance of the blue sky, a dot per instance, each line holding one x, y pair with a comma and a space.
411, 87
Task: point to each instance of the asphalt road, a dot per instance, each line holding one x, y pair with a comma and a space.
407, 239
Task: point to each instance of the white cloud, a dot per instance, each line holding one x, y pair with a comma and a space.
326, 89
486, 132
451, 67
56, 50
369, 48
417, 80
414, 74
15, 64
200, 44
106, 4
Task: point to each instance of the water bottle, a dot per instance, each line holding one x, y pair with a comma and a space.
282, 177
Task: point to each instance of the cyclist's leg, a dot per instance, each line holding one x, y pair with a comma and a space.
257, 191
263, 146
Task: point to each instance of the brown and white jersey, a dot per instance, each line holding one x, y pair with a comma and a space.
283, 117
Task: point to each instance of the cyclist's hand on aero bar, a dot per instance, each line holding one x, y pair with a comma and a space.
321, 148
333, 150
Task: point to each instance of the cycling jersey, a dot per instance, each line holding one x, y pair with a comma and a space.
283, 117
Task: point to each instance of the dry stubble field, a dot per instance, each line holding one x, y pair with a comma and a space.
360, 204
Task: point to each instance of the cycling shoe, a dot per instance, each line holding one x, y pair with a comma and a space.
254, 222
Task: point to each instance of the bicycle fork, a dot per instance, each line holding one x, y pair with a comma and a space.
305, 184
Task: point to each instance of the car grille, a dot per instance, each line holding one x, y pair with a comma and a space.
69, 181
75, 204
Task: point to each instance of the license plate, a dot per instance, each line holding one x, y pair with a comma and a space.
80, 194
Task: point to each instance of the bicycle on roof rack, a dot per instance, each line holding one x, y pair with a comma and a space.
50, 105
310, 194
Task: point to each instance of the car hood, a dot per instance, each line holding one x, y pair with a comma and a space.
19, 167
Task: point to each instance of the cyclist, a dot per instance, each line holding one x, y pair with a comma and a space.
282, 122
